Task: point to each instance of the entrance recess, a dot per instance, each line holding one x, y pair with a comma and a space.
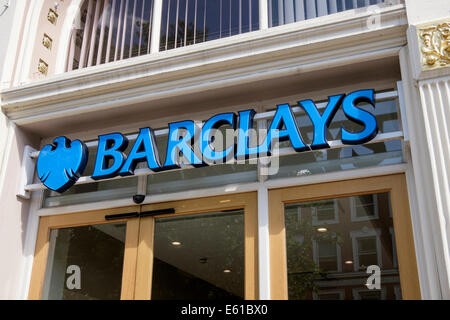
327, 239
206, 249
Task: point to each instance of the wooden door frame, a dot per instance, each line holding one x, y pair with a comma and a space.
245, 201
49, 223
138, 255
395, 184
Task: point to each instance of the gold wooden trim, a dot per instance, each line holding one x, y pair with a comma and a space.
47, 223
130, 260
40, 260
247, 201
145, 259
395, 184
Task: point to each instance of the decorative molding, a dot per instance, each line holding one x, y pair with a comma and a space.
434, 43
52, 16
43, 67
47, 42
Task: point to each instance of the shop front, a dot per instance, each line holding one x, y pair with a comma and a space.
225, 150
328, 174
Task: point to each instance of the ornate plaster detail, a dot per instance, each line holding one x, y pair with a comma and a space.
47, 42
42, 67
52, 16
435, 45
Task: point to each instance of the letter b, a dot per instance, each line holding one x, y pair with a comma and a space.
110, 147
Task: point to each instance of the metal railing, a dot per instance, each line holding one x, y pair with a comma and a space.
111, 30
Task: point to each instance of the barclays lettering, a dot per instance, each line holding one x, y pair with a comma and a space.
61, 164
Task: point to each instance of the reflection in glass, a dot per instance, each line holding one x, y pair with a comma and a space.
110, 30
199, 257
85, 263
186, 22
329, 260
288, 11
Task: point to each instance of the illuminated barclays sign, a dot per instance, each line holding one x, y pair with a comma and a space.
59, 165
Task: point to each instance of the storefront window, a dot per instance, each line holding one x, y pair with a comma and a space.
199, 257
186, 22
327, 261
85, 263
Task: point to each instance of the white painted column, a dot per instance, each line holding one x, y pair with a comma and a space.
427, 102
263, 243
263, 15
156, 26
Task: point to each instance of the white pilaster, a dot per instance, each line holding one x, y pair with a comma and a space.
427, 101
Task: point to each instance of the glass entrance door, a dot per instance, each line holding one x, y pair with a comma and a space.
205, 249
343, 240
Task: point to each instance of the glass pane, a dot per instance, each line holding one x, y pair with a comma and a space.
330, 260
199, 257
122, 31
288, 11
186, 22
85, 263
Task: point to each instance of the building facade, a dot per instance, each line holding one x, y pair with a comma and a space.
225, 149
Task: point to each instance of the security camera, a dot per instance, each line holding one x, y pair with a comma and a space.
138, 198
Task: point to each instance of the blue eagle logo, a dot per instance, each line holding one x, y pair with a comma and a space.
61, 164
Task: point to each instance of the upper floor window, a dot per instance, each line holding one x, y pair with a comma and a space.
288, 11
186, 22
111, 30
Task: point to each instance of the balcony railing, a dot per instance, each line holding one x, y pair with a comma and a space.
288, 11
111, 30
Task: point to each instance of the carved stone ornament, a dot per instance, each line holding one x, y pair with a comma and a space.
47, 42
435, 45
43, 67
52, 16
